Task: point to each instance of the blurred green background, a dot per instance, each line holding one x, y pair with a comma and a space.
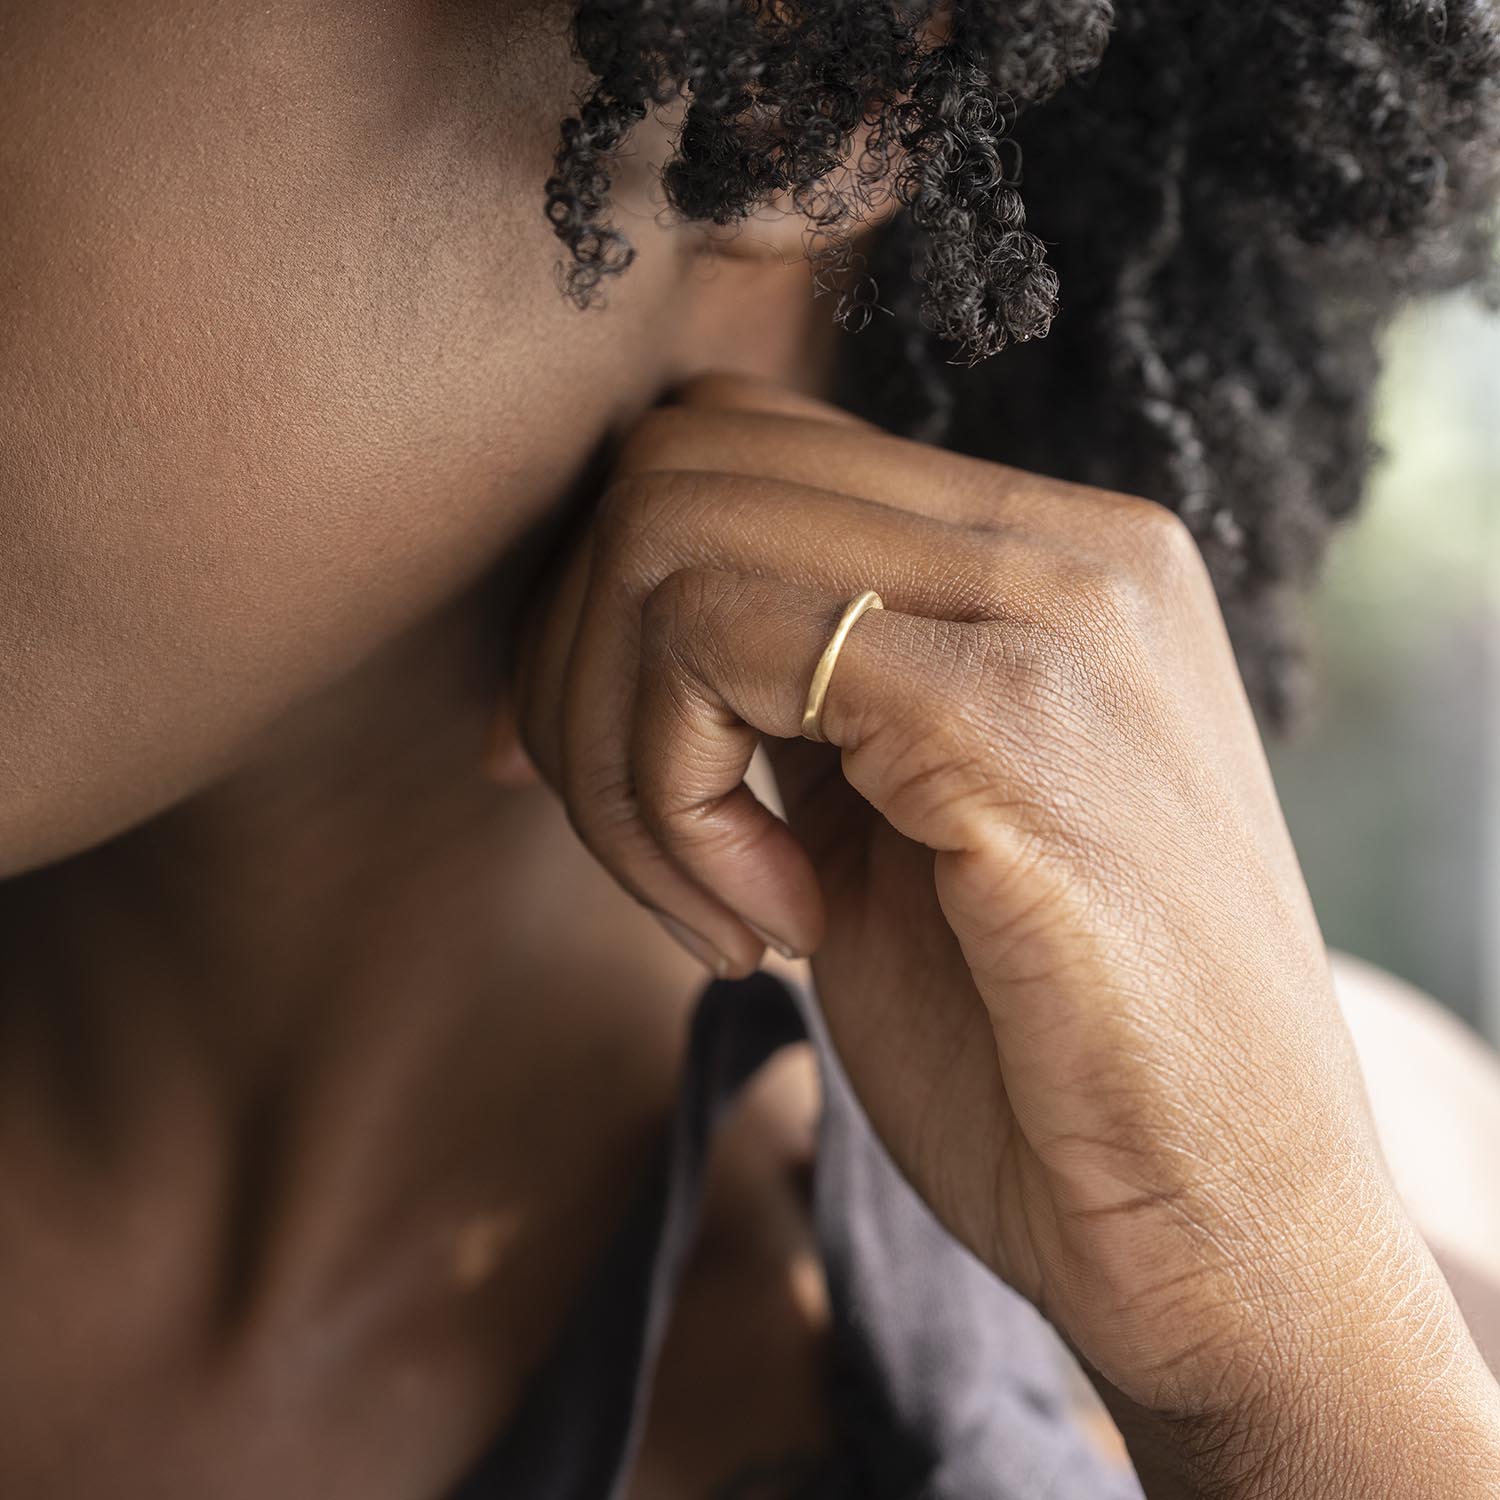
1392, 788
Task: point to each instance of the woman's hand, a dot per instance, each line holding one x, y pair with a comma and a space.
1056, 924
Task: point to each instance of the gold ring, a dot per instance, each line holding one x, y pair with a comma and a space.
812, 714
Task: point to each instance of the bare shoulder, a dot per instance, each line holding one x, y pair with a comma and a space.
1434, 1085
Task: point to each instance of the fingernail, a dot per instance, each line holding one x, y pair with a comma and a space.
699, 947
784, 949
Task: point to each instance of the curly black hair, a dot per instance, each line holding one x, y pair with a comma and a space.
1232, 197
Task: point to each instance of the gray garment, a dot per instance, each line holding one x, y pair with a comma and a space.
947, 1384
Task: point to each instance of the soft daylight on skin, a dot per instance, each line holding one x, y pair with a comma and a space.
437, 443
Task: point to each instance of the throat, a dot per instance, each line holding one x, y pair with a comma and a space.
355, 1026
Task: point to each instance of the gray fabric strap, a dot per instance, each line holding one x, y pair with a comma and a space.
947, 1384
577, 1428
955, 1387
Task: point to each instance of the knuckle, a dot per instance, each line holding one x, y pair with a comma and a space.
1161, 553
636, 520
676, 608
617, 513
1045, 676
1085, 584
946, 709
988, 591
1088, 613
943, 752
696, 826
1139, 556
600, 807
1058, 665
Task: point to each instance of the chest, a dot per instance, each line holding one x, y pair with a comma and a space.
101, 1395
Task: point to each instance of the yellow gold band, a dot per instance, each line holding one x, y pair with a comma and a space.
812, 714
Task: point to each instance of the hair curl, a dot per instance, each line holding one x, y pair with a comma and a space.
1236, 196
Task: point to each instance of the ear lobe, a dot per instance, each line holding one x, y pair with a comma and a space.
505, 761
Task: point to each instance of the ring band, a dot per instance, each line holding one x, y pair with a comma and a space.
812, 714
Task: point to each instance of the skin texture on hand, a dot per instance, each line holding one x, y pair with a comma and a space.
1055, 919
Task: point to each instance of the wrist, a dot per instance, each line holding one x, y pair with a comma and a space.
1371, 1390
1401, 1440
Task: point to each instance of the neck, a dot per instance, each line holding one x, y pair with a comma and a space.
312, 991
354, 994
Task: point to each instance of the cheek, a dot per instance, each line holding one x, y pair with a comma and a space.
282, 367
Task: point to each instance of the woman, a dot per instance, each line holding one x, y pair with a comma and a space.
356, 1117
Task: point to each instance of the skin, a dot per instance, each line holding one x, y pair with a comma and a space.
280, 436
1058, 928
328, 1053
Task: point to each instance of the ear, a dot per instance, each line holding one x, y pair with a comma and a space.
505, 761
